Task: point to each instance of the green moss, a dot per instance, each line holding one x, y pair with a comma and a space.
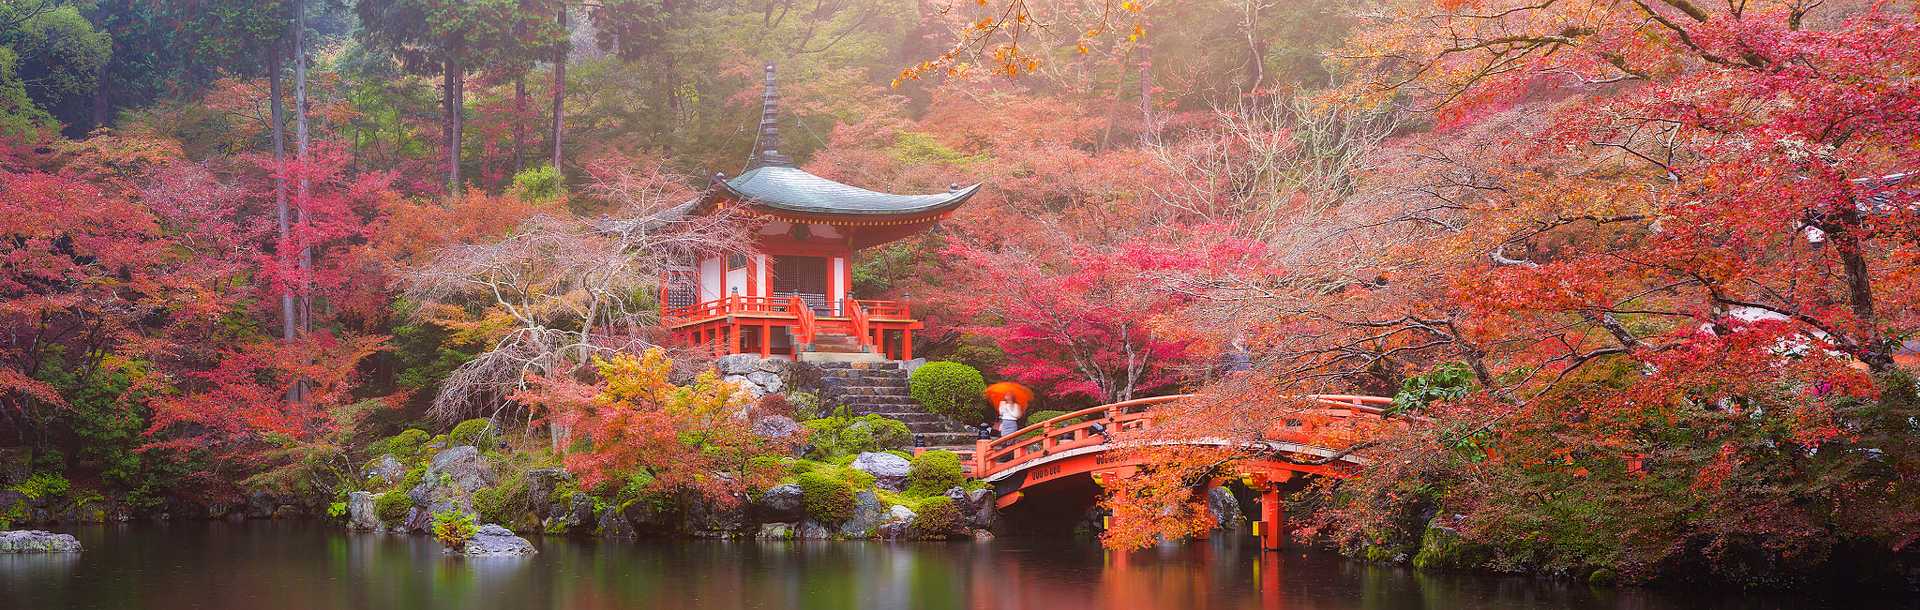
405, 446
1603, 577
935, 518
826, 499
392, 506
934, 472
478, 432
835, 438
1442, 549
951, 389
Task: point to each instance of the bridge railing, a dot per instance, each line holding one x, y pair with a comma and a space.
1097, 426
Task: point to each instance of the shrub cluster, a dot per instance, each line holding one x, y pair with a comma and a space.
951, 389
936, 518
453, 528
934, 472
478, 432
826, 499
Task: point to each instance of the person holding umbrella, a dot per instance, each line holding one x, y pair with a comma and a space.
1011, 400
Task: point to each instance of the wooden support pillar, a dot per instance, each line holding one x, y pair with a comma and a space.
906, 344
766, 338
733, 334
1272, 521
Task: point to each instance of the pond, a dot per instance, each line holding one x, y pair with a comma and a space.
298, 566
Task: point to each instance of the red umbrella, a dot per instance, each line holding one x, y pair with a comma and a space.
1007, 389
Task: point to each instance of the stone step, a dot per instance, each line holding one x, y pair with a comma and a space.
881, 365
868, 390
933, 439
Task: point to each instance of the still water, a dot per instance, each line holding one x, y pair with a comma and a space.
295, 566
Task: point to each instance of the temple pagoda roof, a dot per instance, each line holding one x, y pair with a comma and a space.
774, 185
791, 189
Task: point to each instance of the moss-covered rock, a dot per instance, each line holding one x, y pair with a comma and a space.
478, 432
934, 472
1441, 548
392, 507
936, 518
827, 499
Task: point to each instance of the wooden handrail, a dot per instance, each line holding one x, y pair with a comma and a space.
857, 317
1069, 431
804, 329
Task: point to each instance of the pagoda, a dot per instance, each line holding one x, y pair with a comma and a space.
794, 297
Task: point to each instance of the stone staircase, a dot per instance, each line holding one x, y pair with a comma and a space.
880, 388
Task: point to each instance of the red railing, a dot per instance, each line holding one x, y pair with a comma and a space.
888, 310
806, 326
732, 305
1097, 425
857, 319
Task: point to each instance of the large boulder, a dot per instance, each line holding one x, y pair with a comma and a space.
779, 503
737, 364
976, 507
714, 519
768, 382
385, 470
541, 482
495, 541
776, 366
360, 513
452, 477
775, 531
36, 541
898, 524
613, 524
812, 530
889, 471
866, 516
1224, 507
776, 427
651, 517
260, 505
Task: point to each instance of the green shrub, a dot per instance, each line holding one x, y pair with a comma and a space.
934, 472
827, 499
392, 506
43, 485
337, 510
405, 446
834, 437
951, 389
453, 528
501, 503
477, 432
936, 517
538, 184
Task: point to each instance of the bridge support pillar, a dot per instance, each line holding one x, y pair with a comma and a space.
1272, 520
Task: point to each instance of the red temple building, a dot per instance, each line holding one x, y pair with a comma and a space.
794, 298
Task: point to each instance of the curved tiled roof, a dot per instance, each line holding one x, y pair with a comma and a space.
794, 190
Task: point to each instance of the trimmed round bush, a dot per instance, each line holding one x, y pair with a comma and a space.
936, 517
392, 506
826, 499
935, 472
951, 389
404, 446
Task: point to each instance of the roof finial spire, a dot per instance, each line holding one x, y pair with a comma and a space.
767, 149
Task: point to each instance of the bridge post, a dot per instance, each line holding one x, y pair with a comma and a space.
1272, 521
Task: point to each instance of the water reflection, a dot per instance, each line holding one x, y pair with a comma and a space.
293, 566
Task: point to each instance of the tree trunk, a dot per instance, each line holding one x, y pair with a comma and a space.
454, 88
288, 320
1146, 96
519, 123
301, 140
560, 92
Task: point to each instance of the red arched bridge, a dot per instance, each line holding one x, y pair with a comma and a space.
1083, 443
